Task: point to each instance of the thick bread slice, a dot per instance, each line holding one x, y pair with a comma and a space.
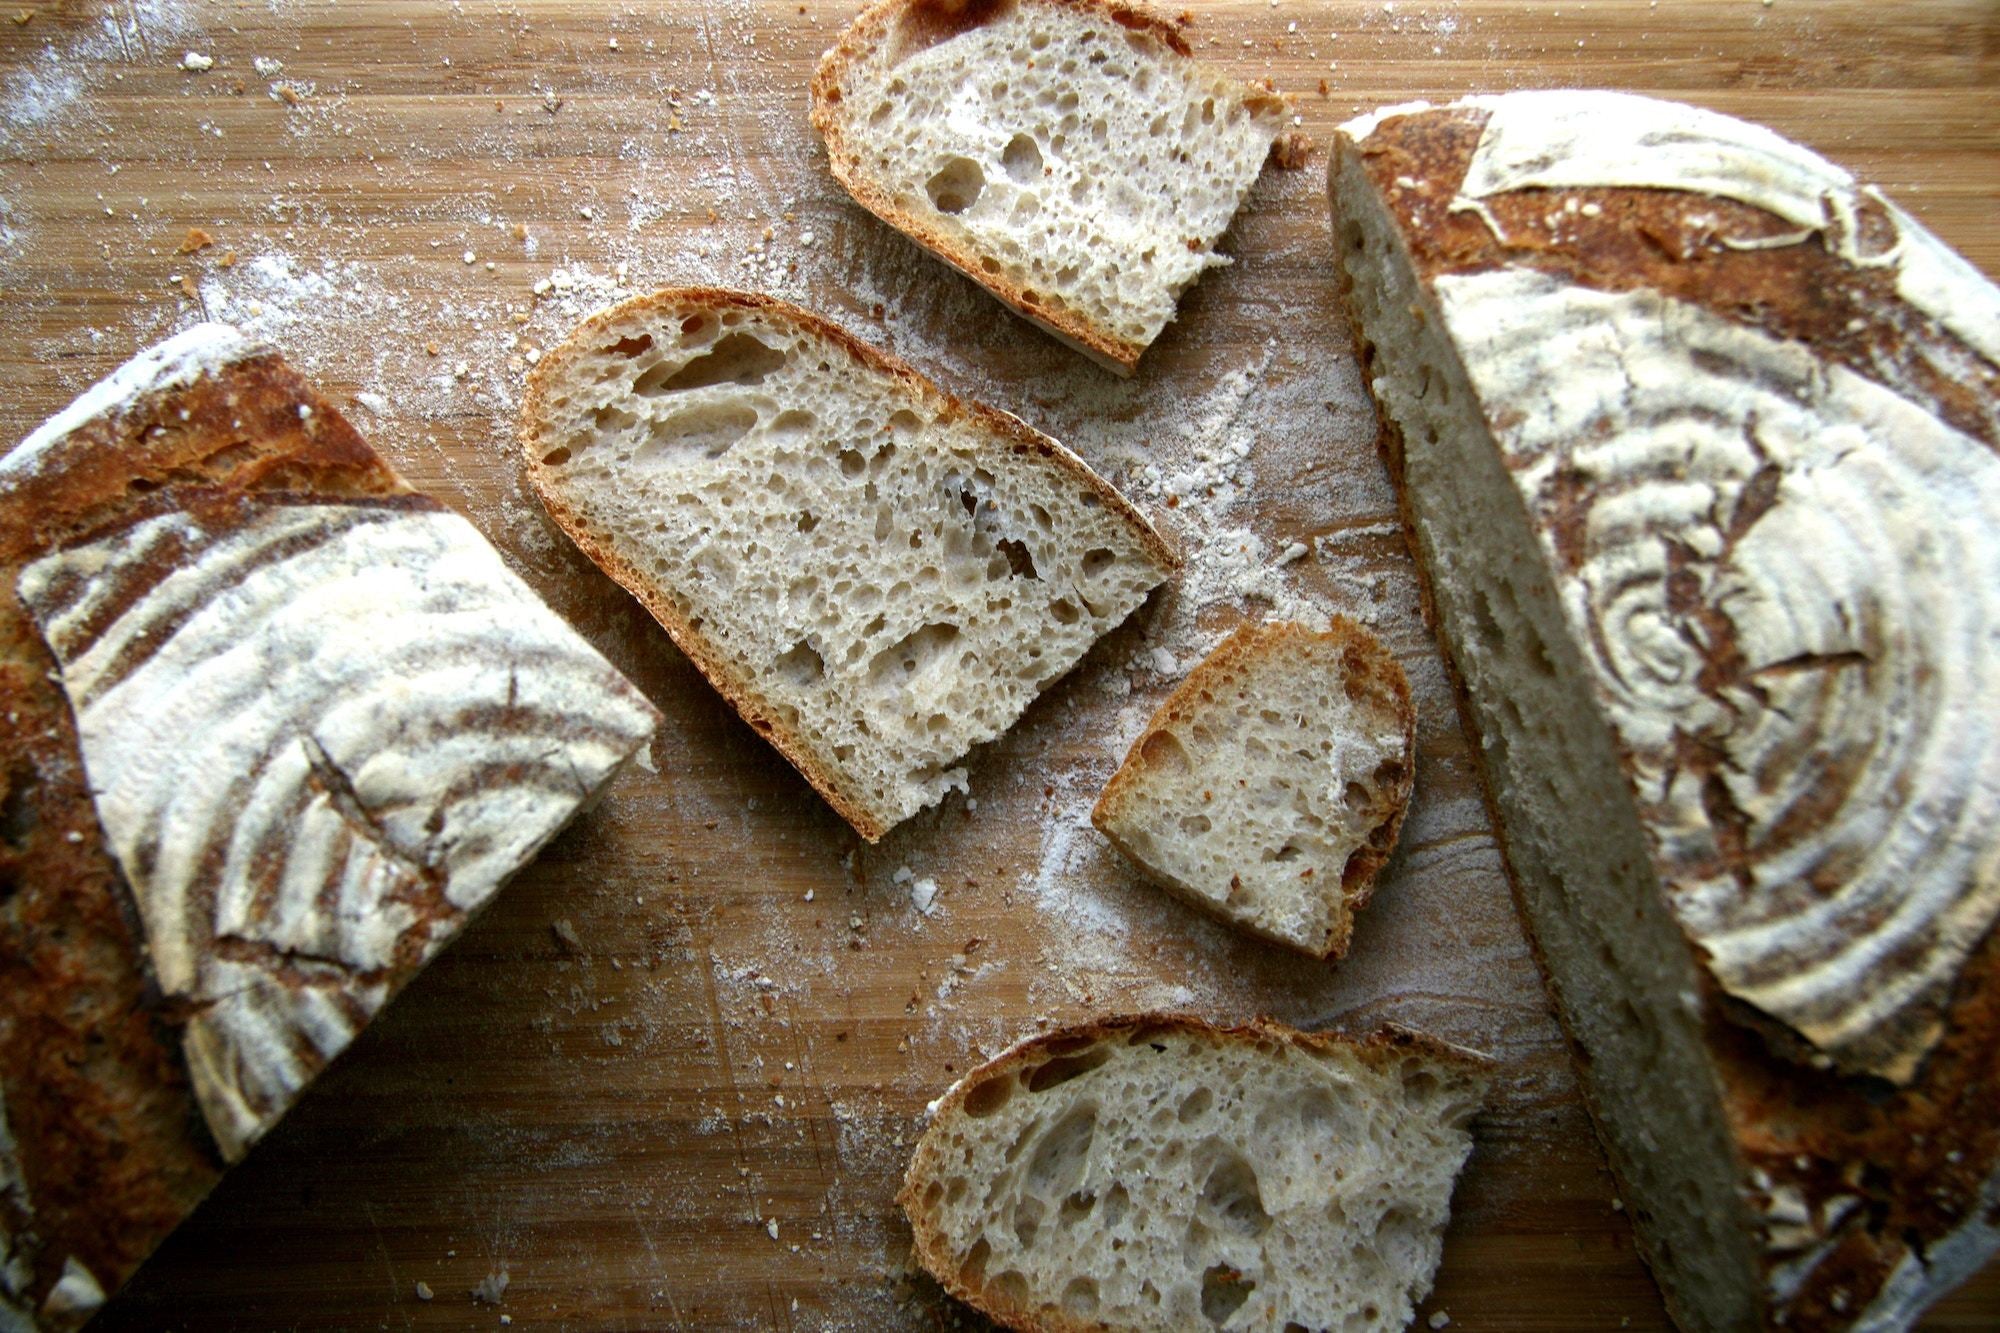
877, 575
1157, 1172
276, 728
1270, 786
1067, 155
1699, 444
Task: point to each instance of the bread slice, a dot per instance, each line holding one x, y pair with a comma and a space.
277, 728
1067, 155
1158, 1172
877, 575
1698, 439
1270, 786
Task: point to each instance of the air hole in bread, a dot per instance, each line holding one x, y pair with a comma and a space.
556, 457
736, 359
795, 421
956, 186
1062, 1069
1223, 1292
1232, 1196
801, 665
986, 1098
1059, 1160
1027, 1222
1163, 750
1022, 160
1064, 612
913, 657
1194, 1104
973, 1271
708, 430
632, 346
1020, 563
1080, 1297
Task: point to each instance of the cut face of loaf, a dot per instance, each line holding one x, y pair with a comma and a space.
1270, 786
1697, 441
878, 576
1068, 156
278, 727
1157, 1172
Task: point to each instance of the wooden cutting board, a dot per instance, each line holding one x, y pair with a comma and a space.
669, 1081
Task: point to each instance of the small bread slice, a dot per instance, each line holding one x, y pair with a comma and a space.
1067, 155
1158, 1172
1270, 787
877, 575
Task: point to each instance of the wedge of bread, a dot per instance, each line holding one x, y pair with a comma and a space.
278, 727
1270, 787
1698, 439
1158, 1172
877, 575
1067, 155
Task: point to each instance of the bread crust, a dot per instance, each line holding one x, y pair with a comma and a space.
112, 1147
1370, 671
1390, 1042
739, 690
871, 29
1919, 1155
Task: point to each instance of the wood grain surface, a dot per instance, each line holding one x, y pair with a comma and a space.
669, 1080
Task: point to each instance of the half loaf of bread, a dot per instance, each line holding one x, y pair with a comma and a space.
1158, 1172
877, 575
1067, 155
276, 728
1696, 438
1270, 786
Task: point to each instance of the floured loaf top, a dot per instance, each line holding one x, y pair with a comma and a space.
278, 727
1749, 411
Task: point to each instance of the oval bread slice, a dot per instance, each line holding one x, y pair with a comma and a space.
1067, 155
1158, 1172
1270, 787
877, 575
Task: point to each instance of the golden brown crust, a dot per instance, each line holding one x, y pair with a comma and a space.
1388, 1043
875, 27
740, 691
1667, 241
113, 1148
1368, 671
1917, 1156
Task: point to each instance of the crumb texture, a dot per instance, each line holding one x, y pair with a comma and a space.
1159, 1173
1075, 162
879, 577
1270, 786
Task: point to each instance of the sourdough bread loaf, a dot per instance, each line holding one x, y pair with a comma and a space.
1269, 788
1067, 155
1696, 437
1159, 1172
277, 727
876, 575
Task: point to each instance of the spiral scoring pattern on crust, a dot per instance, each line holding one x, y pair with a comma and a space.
1782, 577
319, 735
